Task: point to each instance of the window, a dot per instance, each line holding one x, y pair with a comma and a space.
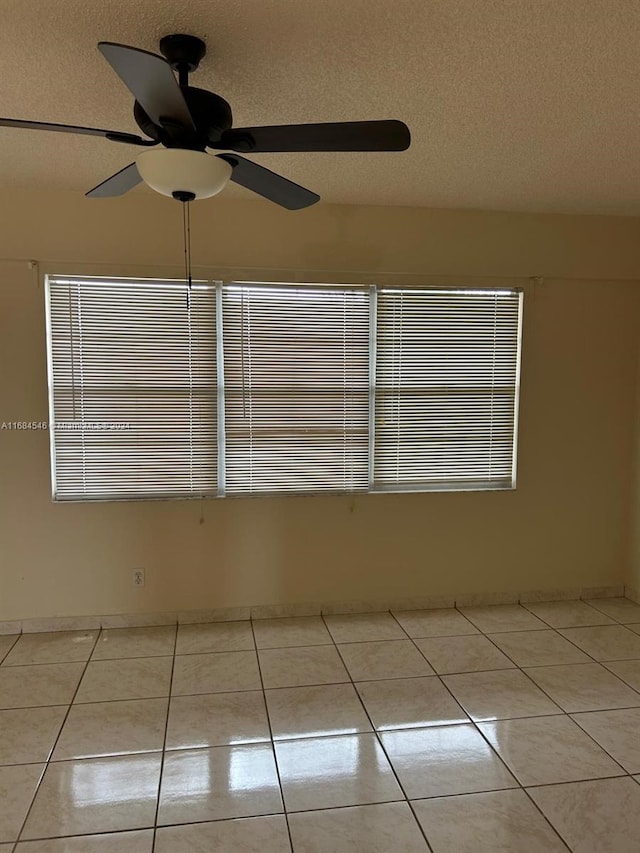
160, 390
296, 388
446, 389
132, 388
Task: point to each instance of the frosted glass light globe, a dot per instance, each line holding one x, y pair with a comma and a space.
171, 170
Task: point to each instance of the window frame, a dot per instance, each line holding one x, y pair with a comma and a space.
524, 287
452, 485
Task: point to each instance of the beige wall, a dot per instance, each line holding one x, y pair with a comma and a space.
633, 570
568, 523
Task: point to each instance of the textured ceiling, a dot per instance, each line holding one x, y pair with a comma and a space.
524, 105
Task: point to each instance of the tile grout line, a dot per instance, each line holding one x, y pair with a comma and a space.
19, 666
378, 738
116, 832
567, 714
597, 611
604, 613
564, 713
10, 649
622, 679
48, 761
482, 734
272, 742
436, 674
6, 666
464, 711
164, 742
77, 703
321, 737
560, 708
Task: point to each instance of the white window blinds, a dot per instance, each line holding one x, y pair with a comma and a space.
132, 373
447, 368
296, 375
158, 390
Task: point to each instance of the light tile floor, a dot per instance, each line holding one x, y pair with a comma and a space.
504, 729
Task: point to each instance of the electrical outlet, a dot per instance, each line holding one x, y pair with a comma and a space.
138, 577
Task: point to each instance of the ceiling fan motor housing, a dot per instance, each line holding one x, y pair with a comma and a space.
211, 116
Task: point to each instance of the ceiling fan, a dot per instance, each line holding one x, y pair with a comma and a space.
185, 121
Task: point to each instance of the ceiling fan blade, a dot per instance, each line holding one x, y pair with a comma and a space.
120, 183
388, 135
268, 184
113, 135
150, 79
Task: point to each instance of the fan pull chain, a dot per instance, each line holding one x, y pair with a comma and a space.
186, 234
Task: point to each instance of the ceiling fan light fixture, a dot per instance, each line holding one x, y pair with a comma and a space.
177, 170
